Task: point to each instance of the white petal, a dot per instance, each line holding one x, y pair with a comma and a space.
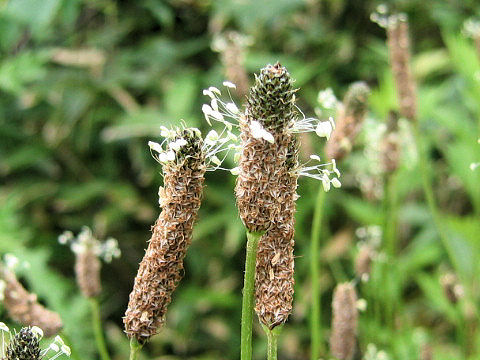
235, 170
155, 146
207, 110
208, 93
213, 89
268, 137
326, 184
216, 160
170, 155
217, 115
229, 84
214, 104
232, 107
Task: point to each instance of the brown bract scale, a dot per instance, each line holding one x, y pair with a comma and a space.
87, 271
24, 308
344, 322
161, 268
25, 345
275, 261
349, 121
399, 49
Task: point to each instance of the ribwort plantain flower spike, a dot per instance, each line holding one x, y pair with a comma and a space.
344, 322
350, 117
88, 250
161, 268
25, 345
23, 307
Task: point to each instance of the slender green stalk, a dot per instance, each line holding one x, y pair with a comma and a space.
248, 300
315, 315
272, 337
429, 194
135, 348
97, 328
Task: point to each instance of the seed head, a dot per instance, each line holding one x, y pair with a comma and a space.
275, 261
161, 268
344, 322
24, 308
349, 121
390, 146
266, 153
399, 49
25, 345
272, 99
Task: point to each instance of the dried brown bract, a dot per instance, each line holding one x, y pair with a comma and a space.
390, 149
349, 121
87, 271
161, 268
24, 308
275, 261
344, 322
399, 49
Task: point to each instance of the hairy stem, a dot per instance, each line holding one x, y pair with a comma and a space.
272, 338
135, 348
97, 329
315, 315
248, 300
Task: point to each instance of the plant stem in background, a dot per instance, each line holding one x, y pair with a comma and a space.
248, 300
315, 314
135, 348
272, 338
97, 329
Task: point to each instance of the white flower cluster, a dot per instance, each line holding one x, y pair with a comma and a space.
228, 113
471, 28
57, 346
321, 171
473, 166
372, 235
85, 241
373, 354
384, 19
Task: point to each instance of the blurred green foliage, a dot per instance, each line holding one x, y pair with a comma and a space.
85, 84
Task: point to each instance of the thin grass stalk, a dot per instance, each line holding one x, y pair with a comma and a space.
135, 349
248, 300
316, 331
98, 330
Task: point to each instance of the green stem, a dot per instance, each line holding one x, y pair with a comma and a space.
97, 328
272, 337
248, 300
315, 315
135, 348
429, 195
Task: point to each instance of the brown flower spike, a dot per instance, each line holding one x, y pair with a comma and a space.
87, 271
266, 190
262, 165
390, 149
161, 268
349, 121
399, 49
344, 322
24, 308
